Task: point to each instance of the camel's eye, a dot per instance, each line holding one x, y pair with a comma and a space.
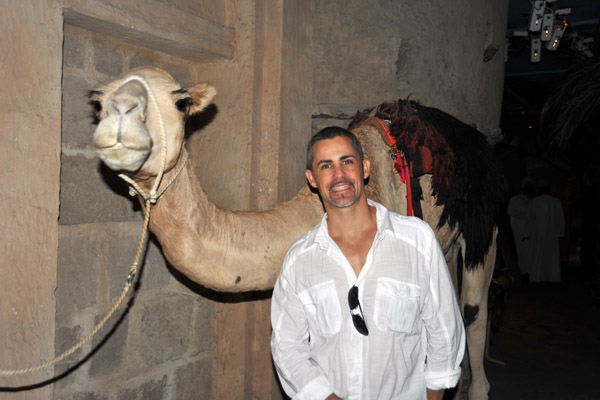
183, 105
96, 105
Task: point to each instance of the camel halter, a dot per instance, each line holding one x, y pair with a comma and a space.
150, 199
134, 189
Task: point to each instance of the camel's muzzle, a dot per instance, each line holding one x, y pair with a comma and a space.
122, 140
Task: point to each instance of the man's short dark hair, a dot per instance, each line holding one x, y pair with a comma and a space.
330, 133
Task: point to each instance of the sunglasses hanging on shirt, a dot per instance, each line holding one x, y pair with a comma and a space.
358, 318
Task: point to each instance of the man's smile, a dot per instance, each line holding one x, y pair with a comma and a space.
340, 186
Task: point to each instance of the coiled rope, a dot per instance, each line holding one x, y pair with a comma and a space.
149, 198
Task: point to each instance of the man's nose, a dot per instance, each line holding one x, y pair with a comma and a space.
338, 171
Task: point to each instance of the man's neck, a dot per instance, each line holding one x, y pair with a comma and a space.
353, 229
351, 221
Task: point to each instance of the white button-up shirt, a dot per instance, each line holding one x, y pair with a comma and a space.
416, 336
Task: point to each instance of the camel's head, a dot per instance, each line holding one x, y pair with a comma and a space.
129, 134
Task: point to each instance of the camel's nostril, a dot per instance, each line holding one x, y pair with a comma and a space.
133, 107
124, 105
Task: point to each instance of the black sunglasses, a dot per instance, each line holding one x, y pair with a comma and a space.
356, 310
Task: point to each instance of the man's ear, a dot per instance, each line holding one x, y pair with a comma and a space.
202, 95
366, 169
310, 178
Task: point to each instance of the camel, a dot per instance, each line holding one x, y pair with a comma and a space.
237, 251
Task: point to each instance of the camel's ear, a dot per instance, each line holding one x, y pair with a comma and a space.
202, 95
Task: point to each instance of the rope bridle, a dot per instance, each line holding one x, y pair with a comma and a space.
150, 198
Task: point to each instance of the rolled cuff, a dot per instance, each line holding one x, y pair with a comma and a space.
436, 380
318, 388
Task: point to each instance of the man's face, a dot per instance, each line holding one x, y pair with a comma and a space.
337, 172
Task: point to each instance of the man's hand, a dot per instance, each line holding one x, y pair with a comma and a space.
332, 396
435, 394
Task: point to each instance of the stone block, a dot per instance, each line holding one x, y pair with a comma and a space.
205, 311
106, 58
65, 338
165, 324
139, 59
65, 382
319, 123
151, 390
194, 381
154, 390
181, 73
178, 68
109, 345
122, 247
155, 272
73, 51
90, 192
77, 121
210, 10
128, 394
183, 285
87, 395
77, 272
337, 111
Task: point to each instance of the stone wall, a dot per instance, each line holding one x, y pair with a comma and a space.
98, 221
29, 159
167, 333
177, 340
444, 54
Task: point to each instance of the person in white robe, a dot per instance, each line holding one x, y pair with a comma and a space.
518, 210
547, 224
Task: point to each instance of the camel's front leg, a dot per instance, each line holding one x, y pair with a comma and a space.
474, 296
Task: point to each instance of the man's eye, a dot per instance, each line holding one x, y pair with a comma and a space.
325, 166
347, 161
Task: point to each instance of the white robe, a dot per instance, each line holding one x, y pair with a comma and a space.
518, 209
547, 224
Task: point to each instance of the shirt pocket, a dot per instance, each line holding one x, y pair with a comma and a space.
323, 308
396, 305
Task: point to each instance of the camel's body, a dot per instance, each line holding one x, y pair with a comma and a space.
242, 251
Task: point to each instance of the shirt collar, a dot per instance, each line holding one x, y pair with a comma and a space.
323, 239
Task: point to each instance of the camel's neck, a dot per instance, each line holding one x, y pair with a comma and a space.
222, 249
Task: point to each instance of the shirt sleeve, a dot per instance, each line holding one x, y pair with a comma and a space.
299, 375
444, 326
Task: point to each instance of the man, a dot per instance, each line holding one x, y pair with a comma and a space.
364, 307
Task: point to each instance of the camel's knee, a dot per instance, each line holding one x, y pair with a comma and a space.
470, 314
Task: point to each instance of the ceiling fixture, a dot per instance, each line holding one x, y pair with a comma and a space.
536, 49
557, 34
545, 25
537, 13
